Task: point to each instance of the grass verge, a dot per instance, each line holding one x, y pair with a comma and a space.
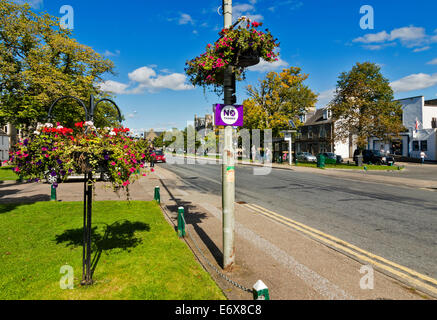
6, 174
369, 167
137, 253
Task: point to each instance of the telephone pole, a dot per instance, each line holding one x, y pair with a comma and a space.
228, 165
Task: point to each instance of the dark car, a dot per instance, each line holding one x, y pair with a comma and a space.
375, 157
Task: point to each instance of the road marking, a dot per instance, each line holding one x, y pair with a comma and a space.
353, 250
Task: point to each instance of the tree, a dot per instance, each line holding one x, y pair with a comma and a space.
278, 98
363, 106
40, 62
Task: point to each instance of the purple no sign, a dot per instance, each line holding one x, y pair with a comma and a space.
228, 115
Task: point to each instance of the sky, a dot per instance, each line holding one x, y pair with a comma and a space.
150, 42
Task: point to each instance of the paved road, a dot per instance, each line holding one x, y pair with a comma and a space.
397, 223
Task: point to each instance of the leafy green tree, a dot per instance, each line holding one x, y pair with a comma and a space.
40, 62
277, 99
363, 106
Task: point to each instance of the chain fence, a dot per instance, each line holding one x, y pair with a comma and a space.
212, 266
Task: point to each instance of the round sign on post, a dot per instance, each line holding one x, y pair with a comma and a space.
229, 115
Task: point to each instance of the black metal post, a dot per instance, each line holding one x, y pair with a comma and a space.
85, 192
89, 214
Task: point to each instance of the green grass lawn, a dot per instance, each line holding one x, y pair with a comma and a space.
6, 173
139, 256
351, 166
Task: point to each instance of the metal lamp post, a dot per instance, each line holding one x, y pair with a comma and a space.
87, 190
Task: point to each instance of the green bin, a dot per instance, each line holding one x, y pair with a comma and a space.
320, 161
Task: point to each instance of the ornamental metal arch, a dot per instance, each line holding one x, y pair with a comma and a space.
94, 107
68, 97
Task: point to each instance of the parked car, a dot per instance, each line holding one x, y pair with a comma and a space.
101, 174
306, 156
160, 156
375, 157
333, 158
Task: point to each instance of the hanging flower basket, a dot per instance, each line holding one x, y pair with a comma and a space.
240, 46
62, 152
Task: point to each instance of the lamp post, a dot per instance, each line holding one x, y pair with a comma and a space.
87, 190
228, 165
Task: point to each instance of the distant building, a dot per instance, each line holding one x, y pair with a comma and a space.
316, 135
151, 135
420, 118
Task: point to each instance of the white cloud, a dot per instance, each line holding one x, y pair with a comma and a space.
265, 66
246, 9
414, 82
185, 19
35, 4
433, 61
113, 86
409, 37
142, 74
408, 33
325, 97
146, 79
373, 37
374, 47
108, 53
422, 49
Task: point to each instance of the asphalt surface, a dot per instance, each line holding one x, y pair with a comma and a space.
397, 223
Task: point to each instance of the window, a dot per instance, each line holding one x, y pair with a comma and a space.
434, 123
424, 145
303, 118
415, 145
310, 132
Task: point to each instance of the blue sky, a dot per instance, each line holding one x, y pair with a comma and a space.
150, 41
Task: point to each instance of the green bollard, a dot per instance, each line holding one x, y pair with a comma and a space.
181, 222
157, 195
53, 193
260, 291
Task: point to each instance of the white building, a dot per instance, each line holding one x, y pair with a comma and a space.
420, 118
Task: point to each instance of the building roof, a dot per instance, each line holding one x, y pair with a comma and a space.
431, 103
317, 118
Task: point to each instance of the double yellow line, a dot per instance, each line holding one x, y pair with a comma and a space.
419, 280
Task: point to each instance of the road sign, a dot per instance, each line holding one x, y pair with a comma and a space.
228, 115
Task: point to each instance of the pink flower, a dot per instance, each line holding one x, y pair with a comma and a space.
125, 183
153, 170
119, 173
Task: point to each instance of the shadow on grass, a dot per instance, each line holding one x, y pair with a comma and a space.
10, 204
119, 235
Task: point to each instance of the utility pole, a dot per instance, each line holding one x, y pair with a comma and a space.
228, 165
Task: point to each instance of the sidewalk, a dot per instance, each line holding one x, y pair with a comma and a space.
293, 265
